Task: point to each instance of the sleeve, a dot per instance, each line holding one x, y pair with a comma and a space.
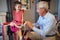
22, 11
36, 24
47, 28
13, 14
22, 18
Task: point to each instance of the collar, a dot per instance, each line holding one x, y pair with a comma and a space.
45, 15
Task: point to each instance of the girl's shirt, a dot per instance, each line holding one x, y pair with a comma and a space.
17, 17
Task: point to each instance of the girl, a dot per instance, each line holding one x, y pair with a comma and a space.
17, 19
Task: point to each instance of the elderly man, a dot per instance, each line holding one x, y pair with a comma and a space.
46, 22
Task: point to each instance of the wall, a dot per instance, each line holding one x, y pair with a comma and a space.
30, 14
2, 17
3, 10
59, 10
53, 6
3, 6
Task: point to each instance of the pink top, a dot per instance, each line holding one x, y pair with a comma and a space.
17, 17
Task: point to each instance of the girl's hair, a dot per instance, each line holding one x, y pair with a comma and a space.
17, 2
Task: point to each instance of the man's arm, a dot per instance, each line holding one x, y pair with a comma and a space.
36, 24
47, 28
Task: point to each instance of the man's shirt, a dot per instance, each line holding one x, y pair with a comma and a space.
47, 25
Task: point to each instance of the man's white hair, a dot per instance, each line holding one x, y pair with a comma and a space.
43, 4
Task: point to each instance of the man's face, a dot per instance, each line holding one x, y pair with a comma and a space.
40, 11
18, 6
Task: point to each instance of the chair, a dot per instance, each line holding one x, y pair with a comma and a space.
6, 34
58, 29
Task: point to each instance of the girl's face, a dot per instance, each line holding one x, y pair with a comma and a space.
18, 6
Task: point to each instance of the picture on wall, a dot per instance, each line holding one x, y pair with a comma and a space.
26, 4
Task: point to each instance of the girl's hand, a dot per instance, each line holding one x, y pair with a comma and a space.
11, 24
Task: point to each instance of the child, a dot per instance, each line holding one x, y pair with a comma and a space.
17, 18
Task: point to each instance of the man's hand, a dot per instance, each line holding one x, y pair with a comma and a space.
29, 24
